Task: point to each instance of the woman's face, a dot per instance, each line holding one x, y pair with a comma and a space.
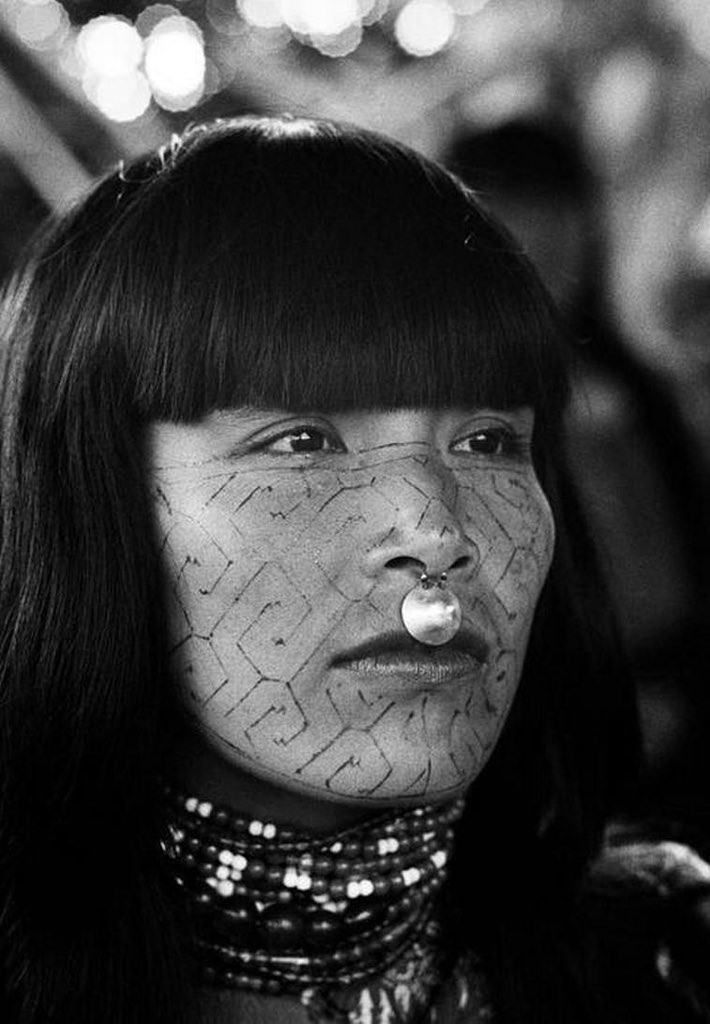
289, 543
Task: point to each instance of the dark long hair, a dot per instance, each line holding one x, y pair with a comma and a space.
295, 264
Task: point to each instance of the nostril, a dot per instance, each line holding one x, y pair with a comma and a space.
461, 563
406, 562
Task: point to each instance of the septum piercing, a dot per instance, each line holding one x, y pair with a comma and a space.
431, 611
428, 581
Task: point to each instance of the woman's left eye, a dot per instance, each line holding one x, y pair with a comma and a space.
303, 440
495, 441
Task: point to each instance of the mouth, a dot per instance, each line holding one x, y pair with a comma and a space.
397, 656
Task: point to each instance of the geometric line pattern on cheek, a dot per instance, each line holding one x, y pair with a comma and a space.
279, 610
350, 762
273, 715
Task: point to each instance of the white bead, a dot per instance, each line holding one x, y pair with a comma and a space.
235, 875
410, 876
393, 845
383, 847
366, 887
438, 859
225, 856
290, 878
225, 887
204, 809
239, 861
191, 804
212, 882
336, 847
353, 890
269, 830
222, 872
255, 828
304, 883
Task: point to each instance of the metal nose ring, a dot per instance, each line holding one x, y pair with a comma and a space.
431, 611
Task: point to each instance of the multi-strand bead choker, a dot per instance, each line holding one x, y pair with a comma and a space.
280, 910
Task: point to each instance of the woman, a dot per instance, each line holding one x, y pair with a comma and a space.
306, 713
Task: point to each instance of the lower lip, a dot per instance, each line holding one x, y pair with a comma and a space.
432, 670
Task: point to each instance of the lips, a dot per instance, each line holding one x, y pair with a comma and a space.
396, 656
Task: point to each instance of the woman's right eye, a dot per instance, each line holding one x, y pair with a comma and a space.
303, 441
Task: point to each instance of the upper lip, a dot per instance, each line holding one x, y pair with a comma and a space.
467, 640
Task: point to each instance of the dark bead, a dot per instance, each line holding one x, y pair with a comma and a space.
323, 929
236, 922
396, 863
272, 986
323, 866
220, 816
286, 834
193, 844
188, 861
274, 877
256, 869
209, 975
338, 888
206, 870
364, 913
405, 844
383, 865
357, 868
319, 886
351, 850
342, 867
280, 928
369, 850
396, 883
382, 886
210, 853
229, 979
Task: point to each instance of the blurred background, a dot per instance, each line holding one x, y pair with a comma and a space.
585, 124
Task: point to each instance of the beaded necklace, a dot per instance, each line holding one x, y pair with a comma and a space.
278, 910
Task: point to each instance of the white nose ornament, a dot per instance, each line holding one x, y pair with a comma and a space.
431, 612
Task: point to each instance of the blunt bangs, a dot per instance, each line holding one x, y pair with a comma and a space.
302, 265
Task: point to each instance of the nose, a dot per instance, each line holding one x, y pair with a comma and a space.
427, 534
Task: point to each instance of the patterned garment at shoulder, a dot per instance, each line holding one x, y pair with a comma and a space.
416, 989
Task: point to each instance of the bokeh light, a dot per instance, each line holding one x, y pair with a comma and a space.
119, 97
152, 15
315, 18
340, 45
110, 46
424, 27
175, 63
41, 25
261, 13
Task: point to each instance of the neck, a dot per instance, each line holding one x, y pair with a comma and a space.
205, 772
277, 908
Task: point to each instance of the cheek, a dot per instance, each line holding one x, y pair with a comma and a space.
260, 574
511, 524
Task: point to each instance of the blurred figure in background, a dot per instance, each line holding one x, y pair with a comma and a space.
630, 451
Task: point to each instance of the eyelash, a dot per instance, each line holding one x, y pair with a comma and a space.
507, 443
295, 432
